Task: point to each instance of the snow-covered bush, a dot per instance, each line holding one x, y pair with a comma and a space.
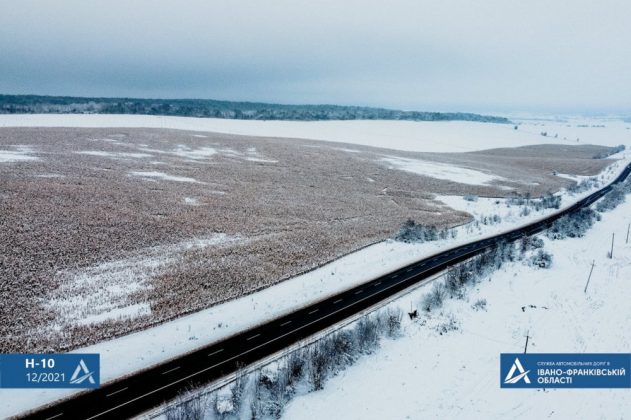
317, 367
541, 259
434, 299
449, 324
279, 394
614, 198
367, 330
392, 322
516, 200
583, 186
573, 225
548, 201
479, 305
295, 366
238, 388
459, 276
221, 407
470, 197
610, 151
343, 348
528, 243
190, 409
412, 232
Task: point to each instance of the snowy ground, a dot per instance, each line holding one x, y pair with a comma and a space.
455, 375
441, 171
129, 353
18, 154
443, 136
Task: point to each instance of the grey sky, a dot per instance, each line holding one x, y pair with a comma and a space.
482, 55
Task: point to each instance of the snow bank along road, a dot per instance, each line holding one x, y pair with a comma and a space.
147, 389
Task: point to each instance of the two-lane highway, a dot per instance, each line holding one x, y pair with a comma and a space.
147, 389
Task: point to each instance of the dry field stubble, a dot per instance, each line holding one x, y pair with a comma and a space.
107, 231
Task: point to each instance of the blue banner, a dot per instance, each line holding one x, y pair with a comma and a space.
68, 370
565, 370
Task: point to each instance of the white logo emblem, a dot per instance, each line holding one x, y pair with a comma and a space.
81, 367
510, 379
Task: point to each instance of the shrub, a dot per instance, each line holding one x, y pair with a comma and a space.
479, 304
238, 388
573, 225
541, 259
470, 197
343, 348
610, 151
457, 277
450, 324
614, 198
528, 243
295, 367
413, 232
548, 201
367, 334
391, 320
192, 409
435, 298
279, 394
583, 186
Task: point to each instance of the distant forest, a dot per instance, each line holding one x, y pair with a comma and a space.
33, 104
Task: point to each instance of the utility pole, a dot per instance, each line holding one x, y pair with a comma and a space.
628, 228
590, 275
527, 337
611, 253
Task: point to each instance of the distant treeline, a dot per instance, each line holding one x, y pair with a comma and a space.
33, 104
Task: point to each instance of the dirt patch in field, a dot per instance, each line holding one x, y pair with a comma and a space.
106, 231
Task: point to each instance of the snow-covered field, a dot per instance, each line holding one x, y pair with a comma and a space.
442, 136
18, 154
456, 375
138, 350
440, 171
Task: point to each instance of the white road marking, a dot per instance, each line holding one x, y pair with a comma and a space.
359, 291
409, 269
337, 301
394, 276
285, 323
377, 284
254, 336
55, 416
170, 370
116, 392
215, 352
313, 312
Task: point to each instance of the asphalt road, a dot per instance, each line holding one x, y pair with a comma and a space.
150, 388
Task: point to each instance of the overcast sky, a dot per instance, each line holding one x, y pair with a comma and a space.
470, 55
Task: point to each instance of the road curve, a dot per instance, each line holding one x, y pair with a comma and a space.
147, 389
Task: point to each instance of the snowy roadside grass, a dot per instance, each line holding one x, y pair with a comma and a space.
454, 372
